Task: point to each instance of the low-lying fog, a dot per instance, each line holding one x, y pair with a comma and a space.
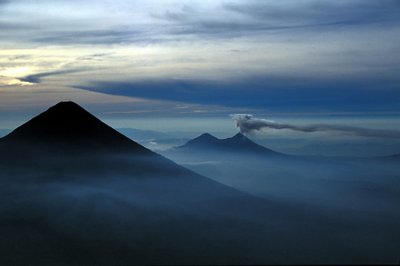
66, 214
151, 219
311, 180
358, 199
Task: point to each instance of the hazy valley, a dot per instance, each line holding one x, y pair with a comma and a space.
73, 190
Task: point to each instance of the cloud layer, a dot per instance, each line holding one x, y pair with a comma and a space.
286, 55
262, 92
161, 21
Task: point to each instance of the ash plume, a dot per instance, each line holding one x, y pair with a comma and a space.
247, 123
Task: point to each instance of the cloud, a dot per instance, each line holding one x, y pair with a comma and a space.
37, 78
270, 93
176, 20
244, 18
248, 124
318, 12
289, 55
101, 37
12, 27
200, 163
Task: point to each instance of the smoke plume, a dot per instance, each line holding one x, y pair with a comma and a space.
248, 123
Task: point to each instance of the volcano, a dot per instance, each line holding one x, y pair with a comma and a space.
67, 140
238, 144
77, 191
69, 127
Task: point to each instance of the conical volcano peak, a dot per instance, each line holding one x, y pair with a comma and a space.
240, 136
67, 105
70, 125
61, 120
67, 110
203, 139
206, 136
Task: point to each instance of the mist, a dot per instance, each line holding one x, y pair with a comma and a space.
55, 215
78, 213
75, 191
119, 208
351, 198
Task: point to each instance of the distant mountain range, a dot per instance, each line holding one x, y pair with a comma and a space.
238, 144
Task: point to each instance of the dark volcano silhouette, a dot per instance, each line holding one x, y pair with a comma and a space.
66, 140
70, 127
237, 144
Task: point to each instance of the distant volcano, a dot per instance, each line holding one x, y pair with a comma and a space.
239, 143
201, 141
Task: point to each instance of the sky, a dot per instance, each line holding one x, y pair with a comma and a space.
195, 59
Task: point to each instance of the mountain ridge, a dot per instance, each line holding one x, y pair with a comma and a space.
238, 143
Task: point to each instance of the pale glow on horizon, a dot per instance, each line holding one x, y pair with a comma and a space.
11, 75
19, 82
16, 72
